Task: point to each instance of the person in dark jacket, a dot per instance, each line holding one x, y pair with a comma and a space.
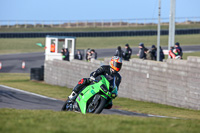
119, 52
142, 50
112, 70
179, 49
63, 53
162, 56
153, 52
127, 53
78, 55
66, 54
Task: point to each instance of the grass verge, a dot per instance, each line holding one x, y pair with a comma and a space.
36, 121
24, 45
33, 121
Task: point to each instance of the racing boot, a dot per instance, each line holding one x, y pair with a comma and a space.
72, 96
70, 101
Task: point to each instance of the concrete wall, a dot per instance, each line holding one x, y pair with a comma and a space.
174, 82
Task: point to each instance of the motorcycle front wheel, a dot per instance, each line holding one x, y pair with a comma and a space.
97, 105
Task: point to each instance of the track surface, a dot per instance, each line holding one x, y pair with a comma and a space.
18, 99
12, 63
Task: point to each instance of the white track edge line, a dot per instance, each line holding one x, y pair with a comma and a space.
11, 88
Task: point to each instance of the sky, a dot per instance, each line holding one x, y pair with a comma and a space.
93, 9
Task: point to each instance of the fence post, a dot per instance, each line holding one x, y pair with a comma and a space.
85, 23
43, 24
77, 24
111, 24
25, 25
136, 22
51, 24
8, 25
94, 23
16, 25
69, 25
128, 23
35, 24
102, 23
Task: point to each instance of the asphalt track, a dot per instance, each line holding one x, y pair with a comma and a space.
19, 99
12, 63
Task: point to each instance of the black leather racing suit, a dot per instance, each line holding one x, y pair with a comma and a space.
103, 70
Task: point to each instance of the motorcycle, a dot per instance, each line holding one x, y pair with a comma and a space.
94, 97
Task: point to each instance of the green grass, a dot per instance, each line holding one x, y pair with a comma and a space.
20, 45
185, 55
32, 121
42, 121
23, 45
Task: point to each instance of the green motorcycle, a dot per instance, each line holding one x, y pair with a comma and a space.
94, 97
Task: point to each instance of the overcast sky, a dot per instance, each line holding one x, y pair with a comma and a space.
93, 9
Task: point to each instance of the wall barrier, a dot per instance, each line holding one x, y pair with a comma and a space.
174, 82
98, 34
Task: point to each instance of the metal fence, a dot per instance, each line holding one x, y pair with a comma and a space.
94, 23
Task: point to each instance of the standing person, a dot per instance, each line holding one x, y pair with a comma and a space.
162, 56
92, 56
95, 53
119, 52
148, 54
66, 54
127, 53
153, 52
87, 55
173, 53
63, 53
141, 53
78, 55
179, 49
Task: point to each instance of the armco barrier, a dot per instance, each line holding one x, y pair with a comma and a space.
98, 34
174, 82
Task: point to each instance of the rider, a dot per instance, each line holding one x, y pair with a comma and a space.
112, 70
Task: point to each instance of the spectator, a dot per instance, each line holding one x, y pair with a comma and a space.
153, 52
162, 56
119, 52
173, 53
63, 53
148, 53
141, 53
127, 53
87, 55
95, 54
92, 55
78, 55
66, 54
179, 49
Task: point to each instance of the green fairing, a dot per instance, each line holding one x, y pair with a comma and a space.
91, 90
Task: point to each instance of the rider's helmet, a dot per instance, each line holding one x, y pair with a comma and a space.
116, 63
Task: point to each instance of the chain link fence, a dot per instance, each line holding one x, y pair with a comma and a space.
95, 23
